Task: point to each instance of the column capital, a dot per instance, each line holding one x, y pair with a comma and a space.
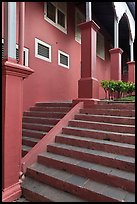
131, 62
116, 50
14, 69
89, 24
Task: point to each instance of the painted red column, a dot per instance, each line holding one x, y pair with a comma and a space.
115, 63
131, 71
12, 85
88, 86
21, 30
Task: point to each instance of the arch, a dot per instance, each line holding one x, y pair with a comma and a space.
121, 9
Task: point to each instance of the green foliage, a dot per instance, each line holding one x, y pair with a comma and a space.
115, 89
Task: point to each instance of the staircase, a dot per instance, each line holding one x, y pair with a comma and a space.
92, 160
39, 120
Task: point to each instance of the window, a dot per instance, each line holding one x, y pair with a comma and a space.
25, 57
79, 18
42, 50
63, 59
100, 46
56, 14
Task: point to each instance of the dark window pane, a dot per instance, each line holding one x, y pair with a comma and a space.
51, 11
63, 59
61, 19
43, 50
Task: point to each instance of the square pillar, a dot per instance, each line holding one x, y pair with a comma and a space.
88, 86
115, 58
12, 85
131, 71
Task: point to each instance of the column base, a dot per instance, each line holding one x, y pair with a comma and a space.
88, 88
11, 193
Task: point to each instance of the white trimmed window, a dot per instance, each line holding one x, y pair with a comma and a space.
56, 14
42, 50
25, 56
100, 46
79, 18
63, 59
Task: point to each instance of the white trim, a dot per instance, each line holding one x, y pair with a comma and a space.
65, 54
64, 30
36, 50
26, 50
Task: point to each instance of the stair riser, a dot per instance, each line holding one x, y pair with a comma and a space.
89, 173
53, 104
106, 127
42, 114
106, 119
24, 153
111, 162
97, 135
113, 106
36, 127
34, 197
108, 112
50, 109
41, 120
28, 143
32, 134
69, 187
96, 146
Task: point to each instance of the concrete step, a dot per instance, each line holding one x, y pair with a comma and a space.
96, 144
41, 120
33, 133
25, 150
100, 134
29, 141
106, 119
37, 126
103, 126
50, 109
82, 187
54, 104
120, 106
99, 173
36, 191
100, 157
108, 112
44, 114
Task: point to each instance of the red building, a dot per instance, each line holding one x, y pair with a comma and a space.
58, 51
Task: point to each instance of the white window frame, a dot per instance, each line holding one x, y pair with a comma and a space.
36, 50
26, 50
102, 54
77, 11
64, 30
65, 54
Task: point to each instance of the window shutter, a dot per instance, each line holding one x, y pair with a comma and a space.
43, 50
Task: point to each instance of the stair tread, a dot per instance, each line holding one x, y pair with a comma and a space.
35, 131
82, 182
50, 192
38, 117
95, 152
26, 148
100, 131
38, 124
30, 139
44, 112
97, 141
103, 123
109, 116
90, 165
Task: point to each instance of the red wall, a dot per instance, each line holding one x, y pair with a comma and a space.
51, 82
